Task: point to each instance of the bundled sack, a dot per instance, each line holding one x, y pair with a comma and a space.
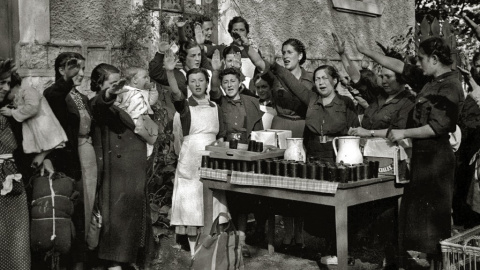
52, 207
219, 250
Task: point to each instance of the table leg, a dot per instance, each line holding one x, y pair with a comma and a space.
208, 209
399, 233
271, 234
341, 219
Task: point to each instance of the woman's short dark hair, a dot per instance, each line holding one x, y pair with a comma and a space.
230, 71
62, 59
298, 46
7, 67
230, 50
184, 47
437, 46
238, 19
100, 74
203, 19
268, 79
332, 71
197, 71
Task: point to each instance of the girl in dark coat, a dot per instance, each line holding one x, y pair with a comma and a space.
122, 164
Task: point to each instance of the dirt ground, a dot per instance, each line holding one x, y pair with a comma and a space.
368, 256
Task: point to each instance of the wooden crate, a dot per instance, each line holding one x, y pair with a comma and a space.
222, 150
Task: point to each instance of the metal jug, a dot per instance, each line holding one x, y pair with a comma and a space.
295, 150
348, 149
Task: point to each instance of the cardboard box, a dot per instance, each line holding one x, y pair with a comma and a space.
393, 158
274, 137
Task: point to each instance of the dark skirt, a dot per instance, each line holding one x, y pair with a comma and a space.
297, 126
425, 211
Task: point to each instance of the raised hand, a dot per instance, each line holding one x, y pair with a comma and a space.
199, 36
164, 43
170, 61
216, 62
117, 87
268, 53
338, 45
360, 44
475, 27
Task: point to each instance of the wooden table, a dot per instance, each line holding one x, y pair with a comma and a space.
347, 195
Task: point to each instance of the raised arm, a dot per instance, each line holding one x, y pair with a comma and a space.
475, 27
181, 30
292, 83
388, 62
169, 62
254, 56
216, 93
352, 70
155, 67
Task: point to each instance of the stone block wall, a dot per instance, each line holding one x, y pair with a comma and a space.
87, 27
313, 21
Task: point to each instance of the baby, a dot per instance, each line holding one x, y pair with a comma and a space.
138, 99
41, 130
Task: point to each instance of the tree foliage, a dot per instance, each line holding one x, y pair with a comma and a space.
451, 11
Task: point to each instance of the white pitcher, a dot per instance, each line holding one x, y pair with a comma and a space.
348, 149
295, 150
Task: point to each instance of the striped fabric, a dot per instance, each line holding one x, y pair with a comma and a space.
253, 179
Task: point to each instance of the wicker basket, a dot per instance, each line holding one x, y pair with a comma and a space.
462, 251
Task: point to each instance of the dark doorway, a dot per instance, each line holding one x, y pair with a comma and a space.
9, 32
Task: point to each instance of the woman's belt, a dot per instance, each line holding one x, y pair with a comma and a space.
321, 139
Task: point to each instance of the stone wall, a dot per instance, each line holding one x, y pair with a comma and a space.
88, 27
313, 21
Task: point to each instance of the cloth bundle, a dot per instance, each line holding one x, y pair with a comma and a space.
52, 208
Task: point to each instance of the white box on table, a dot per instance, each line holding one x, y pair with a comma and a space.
275, 137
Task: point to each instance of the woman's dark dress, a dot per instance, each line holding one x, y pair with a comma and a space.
425, 212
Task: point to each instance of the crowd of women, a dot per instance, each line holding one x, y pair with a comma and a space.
218, 91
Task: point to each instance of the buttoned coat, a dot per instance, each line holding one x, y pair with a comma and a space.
122, 163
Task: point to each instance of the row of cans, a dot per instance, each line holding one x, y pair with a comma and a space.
342, 173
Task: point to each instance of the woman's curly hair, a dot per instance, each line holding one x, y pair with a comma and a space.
298, 46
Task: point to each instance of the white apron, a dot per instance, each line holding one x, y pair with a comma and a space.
177, 126
187, 201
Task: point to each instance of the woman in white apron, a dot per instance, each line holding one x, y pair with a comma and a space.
201, 125
191, 56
